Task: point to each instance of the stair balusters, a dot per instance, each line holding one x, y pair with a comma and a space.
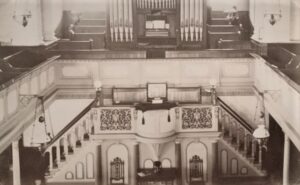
240, 138
69, 140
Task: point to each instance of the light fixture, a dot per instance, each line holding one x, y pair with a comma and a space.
23, 18
274, 16
40, 134
261, 133
97, 86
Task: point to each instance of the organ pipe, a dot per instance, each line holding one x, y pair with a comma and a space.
187, 18
121, 19
116, 18
182, 19
197, 21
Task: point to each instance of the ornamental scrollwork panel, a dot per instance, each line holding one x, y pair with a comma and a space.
196, 118
115, 119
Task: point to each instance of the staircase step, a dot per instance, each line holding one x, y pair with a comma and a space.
214, 37
222, 28
255, 167
218, 14
89, 29
234, 44
219, 21
98, 39
92, 22
93, 15
74, 45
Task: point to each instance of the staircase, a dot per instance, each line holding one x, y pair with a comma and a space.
71, 148
238, 142
223, 35
87, 33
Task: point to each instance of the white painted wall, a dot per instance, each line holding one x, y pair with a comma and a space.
284, 30
221, 5
295, 20
12, 32
52, 12
42, 23
84, 5
245, 106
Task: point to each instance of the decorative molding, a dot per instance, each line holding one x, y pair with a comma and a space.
195, 118
115, 119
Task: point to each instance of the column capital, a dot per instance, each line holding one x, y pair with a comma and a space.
177, 141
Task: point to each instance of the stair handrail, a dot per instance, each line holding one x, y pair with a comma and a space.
237, 117
68, 126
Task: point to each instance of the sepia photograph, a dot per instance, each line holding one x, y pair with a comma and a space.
149, 92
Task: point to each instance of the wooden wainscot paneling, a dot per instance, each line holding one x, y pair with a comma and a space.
115, 70
51, 75
159, 70
34, 84
119, 72
237, 72
25, 86
184, 94
235, 69
43, 80
2, 107
129, 95
12, 99
199, 118
75, 71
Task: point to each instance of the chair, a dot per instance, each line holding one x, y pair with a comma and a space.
196, 170
117, 171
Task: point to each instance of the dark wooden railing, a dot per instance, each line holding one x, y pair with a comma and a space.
68, 126
237, 117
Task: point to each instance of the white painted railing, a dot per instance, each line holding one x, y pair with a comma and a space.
17, 94
281, 97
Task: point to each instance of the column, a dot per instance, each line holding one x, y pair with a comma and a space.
178, 160
16, 163
99, 171
286, 160
135, 163
214, 160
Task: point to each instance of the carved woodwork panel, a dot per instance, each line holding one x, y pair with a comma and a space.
195, 118
115, 119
